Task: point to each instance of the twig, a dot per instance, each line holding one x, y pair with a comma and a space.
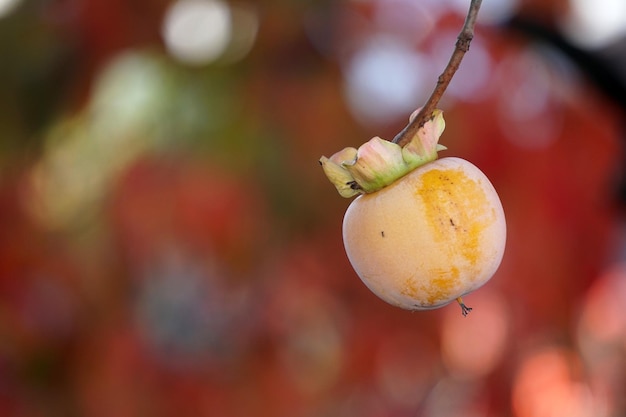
462, 46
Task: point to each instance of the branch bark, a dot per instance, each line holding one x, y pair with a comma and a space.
462, 46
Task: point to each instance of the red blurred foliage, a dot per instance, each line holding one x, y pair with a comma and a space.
163, 201
284, 327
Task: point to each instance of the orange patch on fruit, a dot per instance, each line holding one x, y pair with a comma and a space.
455, 209
440, 288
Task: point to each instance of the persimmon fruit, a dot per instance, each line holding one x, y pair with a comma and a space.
423, 231
429, 238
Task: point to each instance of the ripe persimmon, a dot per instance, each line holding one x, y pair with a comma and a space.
430, 237
424, 231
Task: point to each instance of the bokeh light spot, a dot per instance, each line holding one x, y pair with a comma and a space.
406, 18
385, 80
245, 25
197, 31
547, 385
487, 329
82, 152
7, 6
592, 23
602, 338
603, 319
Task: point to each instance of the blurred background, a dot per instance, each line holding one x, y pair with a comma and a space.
169, 245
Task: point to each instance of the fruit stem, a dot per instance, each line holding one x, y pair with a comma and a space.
464, 309
462, 46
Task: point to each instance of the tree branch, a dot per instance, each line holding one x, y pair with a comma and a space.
462, 46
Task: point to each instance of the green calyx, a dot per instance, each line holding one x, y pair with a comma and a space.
378, 162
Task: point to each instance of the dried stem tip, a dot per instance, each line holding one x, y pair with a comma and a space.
465, 310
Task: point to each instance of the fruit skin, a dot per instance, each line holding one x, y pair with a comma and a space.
434, 235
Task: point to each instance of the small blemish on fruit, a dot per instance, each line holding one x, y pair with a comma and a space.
382, 233
452, 222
